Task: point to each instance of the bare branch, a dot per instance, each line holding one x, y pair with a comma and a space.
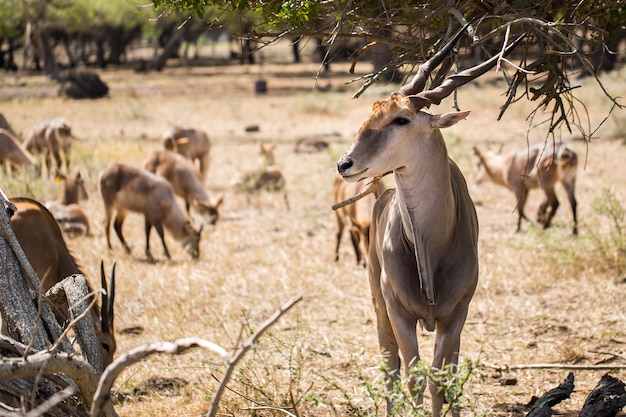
369, 190
244, 349
103, 392
45, 363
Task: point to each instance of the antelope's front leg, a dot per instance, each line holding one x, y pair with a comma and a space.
148, 225
404, 326
447, 346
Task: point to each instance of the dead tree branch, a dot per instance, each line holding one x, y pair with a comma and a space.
102, 395
232, 363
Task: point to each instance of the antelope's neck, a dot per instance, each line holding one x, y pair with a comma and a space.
69, 197
425, 196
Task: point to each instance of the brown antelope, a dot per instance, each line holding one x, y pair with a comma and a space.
356, 216
66, 210
53, 138
190, 142
268, 177
423, 257
13, 153
542, 165
185, 181
128, 189
41, 239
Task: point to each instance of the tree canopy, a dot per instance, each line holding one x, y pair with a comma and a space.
562, 38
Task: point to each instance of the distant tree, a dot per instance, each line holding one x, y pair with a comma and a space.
41, 25
563, 39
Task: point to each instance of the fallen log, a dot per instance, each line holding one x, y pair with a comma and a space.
542, 407
606, 399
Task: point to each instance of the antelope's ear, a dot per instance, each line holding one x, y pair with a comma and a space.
219, 201
448, 119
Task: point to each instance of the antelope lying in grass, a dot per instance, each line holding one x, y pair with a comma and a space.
542, 165
423, 257
13, 153
66, 210
268, 177
190, 142
185, 181
127, 189
356, 216
53, 138
41, 239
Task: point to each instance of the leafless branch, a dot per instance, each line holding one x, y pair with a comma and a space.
103, 392
232, 363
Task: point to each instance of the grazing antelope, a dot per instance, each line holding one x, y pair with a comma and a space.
423, 257
53, 138
41, 239
66, 210
13, 153
356, 216
190, 142
542, 165
127, 189
185, 181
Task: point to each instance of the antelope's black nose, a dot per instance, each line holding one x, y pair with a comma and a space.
343, 165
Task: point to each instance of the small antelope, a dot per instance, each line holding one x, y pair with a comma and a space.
13, 153
53, 138
66, 210
357, 216
185, 181
268, 177
542, 165
41, 239
423, 257
127, 189
191, 143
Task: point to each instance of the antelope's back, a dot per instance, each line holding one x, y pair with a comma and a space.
41, 239
134, 189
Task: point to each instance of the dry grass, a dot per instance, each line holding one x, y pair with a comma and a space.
543, 297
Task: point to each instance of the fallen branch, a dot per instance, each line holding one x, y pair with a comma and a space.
556, 366
543, 406
606, 399
110, 374
244, 349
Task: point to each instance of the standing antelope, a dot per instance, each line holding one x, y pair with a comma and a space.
184, 179
542, 165
127, 189
423, 257
357, 216
41, 239
66, 210
190, 142
53, 138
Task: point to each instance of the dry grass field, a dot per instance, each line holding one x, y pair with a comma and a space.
543, 297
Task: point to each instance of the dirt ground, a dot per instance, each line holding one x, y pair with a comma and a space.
543, 297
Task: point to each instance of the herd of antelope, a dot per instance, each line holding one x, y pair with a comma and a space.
152, 190
418, 239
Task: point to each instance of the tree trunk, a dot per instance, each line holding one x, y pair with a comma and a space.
170, 48
45, 52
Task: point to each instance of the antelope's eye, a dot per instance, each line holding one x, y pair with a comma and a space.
400, 121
